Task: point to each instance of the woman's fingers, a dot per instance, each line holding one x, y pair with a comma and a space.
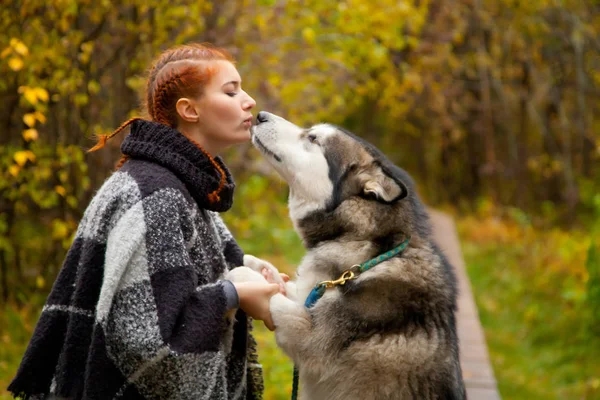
285, 277
273, 289
269, 324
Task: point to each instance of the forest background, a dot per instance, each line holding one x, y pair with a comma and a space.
491, 105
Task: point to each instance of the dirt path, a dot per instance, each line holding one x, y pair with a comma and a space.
477, 370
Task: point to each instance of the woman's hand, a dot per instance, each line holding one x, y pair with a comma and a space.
254, 300
268, 275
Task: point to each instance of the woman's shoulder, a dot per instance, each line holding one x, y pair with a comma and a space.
140, 180
137, 182
150, 178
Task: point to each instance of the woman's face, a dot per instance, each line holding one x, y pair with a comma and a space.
224, 110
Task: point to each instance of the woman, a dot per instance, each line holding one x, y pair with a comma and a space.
140, 309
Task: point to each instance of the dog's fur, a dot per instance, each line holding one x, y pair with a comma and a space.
391, 333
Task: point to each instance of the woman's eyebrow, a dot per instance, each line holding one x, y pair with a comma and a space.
234, 83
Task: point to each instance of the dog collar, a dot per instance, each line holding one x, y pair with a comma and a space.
319, 290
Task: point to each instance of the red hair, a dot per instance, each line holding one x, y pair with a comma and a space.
179, 72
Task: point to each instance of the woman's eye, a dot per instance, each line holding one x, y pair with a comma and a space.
231, 94
312, 138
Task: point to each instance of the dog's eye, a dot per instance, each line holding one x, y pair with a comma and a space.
312, 138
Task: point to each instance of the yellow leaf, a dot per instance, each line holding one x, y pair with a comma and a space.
261, 22
64, 24
29, 119
5, 52
40, 117
41, 94
15, 63
60, 230
60, 190
40, 282
30, 134
22, 156
14, 170
29, 94
21, 48
309, 35
93, 87
274, 80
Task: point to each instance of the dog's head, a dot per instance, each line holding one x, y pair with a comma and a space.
339, 183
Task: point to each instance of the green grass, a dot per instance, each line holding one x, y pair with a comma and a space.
16, 328
277, 367
530, 290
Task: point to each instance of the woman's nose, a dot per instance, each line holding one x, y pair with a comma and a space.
249, 104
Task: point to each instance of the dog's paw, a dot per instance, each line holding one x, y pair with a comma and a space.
282, 307
256, 264
244, 274
292, 323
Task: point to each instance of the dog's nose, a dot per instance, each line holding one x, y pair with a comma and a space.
262, 117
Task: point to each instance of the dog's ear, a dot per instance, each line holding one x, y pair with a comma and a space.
378, 183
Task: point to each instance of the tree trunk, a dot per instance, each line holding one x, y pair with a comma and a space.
522, 152
586, 144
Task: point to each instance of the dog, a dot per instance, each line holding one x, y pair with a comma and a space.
388, 333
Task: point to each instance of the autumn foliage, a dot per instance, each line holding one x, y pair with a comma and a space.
480, 100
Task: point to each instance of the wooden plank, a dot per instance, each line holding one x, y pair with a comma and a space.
476, 367
482, 394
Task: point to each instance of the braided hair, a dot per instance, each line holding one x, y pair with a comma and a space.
179, 72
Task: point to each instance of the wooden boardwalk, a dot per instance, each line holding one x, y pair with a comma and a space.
477, 370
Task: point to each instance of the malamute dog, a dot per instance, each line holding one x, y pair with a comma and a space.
390, 332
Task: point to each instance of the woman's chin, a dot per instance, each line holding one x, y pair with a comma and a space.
245, 136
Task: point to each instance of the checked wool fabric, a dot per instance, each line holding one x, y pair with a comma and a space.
139, 310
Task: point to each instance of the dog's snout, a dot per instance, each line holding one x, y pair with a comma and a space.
262, 117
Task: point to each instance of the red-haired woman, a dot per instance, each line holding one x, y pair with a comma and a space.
141, 309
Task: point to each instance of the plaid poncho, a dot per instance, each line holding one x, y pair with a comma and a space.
138, 310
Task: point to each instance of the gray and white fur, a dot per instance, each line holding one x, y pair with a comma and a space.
391, 333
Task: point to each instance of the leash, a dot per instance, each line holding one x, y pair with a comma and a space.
319, 290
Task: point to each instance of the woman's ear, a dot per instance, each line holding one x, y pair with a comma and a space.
186, 109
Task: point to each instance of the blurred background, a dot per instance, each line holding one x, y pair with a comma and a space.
491, 105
